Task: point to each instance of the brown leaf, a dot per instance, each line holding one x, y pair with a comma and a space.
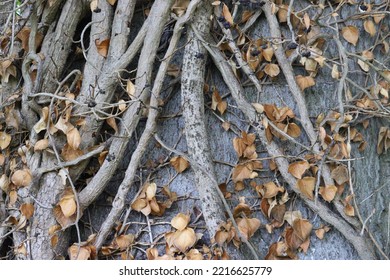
21, 178
305, 81
27, 210
179, 163
5, 140
185, 239
102, 46
112, 122
340, 174
272, 70
350, 34
328, 192
297, 169
349, 210
124, 241
79, 253
268, 53
302, 228
68, 203
306, 186
180, 221
112, 2
242, 172
227, 15
41, 145
270, 189
293, 130
248, 226
73, 138
321, 231
369, 26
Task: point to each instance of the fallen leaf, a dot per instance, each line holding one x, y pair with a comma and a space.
328, 192
305, 81
179, 163
102, 46
21, 178
185, 239
369, 27
297, 169
41, 145
340, 174
180, 221
73, 138
350, 34
5, 140
306, 186
272, 70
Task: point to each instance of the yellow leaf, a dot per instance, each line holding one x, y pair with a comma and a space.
5, 140
180, 221
41, 124
351, 34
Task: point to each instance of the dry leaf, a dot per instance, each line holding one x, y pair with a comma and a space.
180, 221
340, 174
369, 26
185, 239
124, 241
350, 34
272, 70
112, 122
27, 210
268, 53
328, 192
130, 89
335, 72
179, 163
102, 46
297, 169
227, 15
21, 178
248, 226
41, 145
302, 228
79, 253
306, 186
67, 203
5, 140
305, 81
73, 138
112, 2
